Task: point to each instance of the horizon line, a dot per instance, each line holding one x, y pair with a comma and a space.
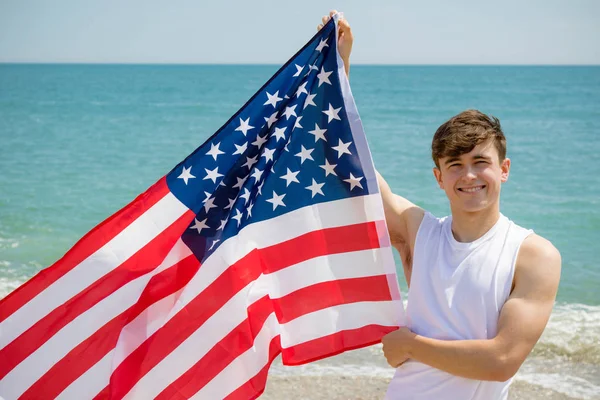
217, 64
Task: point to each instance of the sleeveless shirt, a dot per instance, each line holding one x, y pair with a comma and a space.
456, 292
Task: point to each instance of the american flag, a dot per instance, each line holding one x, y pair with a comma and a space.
268, 239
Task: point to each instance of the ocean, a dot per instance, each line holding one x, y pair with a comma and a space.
78, 142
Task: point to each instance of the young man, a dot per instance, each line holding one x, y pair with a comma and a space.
481, 288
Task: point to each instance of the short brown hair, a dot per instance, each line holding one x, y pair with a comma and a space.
461, 133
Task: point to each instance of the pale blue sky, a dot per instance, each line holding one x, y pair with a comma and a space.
222, 31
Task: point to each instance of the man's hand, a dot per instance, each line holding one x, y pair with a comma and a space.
396, 346
345, 38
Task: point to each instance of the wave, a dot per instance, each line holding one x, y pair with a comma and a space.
573, 333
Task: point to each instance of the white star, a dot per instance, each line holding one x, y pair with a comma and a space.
277, 200
328, 168
279, 133
214, 150
268, 153
240, 182
271, 120
199, 225
213, 244
287, 144
208, 202
316, 188
309, 100
289, 111
244, 126
299, 68
223, 223
186, 174
314, 67
323, 76
250, 161
297, 123
231, 203
260, 140
257, 174
342, 148
260, 187
246, 195
290, 177
319, 133
273, 99
305, 154
332, 113
301, 89
238, 216
322, 45
240, 149
354, 181
249, 209
212, 175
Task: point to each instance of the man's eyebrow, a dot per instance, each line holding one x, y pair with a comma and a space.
451, 160
481, 157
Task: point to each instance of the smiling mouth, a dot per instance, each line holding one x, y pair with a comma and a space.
473, 189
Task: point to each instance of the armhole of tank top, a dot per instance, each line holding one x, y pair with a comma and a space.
513, 266
422, 232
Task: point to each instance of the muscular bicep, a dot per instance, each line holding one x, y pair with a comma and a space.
525, 314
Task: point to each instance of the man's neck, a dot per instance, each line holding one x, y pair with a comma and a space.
468, 227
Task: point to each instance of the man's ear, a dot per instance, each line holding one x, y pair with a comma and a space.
505, 167
438, 177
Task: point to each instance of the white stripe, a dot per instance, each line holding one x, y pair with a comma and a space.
88, 385
143, 326
110, 256
37, 364
338, 318
244, 367
325, 269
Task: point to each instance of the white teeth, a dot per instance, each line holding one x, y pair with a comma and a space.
472, 190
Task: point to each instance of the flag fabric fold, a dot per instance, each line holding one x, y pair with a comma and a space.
268, 239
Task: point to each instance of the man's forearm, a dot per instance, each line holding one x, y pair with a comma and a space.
473, 359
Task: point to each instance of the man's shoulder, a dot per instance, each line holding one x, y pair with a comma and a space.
538, 248
539, 261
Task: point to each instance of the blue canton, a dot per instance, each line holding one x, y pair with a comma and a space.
289, 147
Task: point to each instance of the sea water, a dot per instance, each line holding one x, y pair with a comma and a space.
78, 142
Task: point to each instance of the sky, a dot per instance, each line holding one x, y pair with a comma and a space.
269, 32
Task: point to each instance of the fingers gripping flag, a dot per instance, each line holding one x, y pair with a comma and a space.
268, 239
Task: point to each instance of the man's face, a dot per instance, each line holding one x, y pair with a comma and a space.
472, 181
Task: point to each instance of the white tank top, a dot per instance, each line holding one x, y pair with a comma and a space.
456, 292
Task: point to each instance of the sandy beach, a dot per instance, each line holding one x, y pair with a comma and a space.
369, 388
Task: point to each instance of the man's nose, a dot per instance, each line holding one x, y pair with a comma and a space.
470, 173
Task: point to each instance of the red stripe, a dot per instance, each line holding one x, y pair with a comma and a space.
319, 243
85, 247
90, 351
144, 261
235, 278
329, 294
256, 385
333, 344
238, 341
